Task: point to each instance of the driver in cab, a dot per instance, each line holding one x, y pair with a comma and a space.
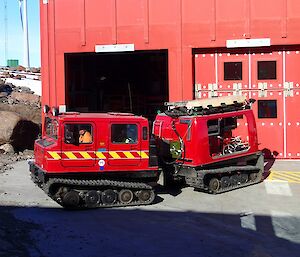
85, 136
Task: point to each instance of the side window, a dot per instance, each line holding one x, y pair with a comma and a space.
124, 133
267, 109
213, 127
78, 134
145, 133
51, 127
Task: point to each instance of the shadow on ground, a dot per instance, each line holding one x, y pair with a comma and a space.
32, 231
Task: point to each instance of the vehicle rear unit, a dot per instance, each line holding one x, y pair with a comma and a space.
202, 143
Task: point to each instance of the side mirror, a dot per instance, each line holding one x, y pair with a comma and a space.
46, 109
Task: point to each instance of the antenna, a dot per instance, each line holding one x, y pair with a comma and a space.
5, 32
25, 32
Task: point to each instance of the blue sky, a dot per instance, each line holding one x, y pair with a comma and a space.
15, 34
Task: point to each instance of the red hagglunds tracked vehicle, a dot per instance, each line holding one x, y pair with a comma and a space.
95, 160
107, 159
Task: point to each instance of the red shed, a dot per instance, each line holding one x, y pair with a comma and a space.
133, 55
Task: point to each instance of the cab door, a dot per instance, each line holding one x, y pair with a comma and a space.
78, 144
124, 144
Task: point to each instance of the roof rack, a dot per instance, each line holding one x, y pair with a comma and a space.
208, 106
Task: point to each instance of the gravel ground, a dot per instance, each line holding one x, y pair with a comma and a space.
257, 221
7, 160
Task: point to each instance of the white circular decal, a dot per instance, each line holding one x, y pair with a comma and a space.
101, 163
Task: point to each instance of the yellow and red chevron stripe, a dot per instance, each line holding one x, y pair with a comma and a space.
87, 155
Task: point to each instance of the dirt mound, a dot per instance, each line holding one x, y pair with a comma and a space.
20, 116
9, 120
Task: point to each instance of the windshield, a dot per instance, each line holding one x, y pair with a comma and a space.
51, 127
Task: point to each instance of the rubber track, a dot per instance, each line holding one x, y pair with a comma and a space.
257, 180
101, 183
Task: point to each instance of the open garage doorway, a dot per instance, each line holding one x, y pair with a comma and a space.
135, 82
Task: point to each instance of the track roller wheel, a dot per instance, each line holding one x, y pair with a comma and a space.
234, 180
244, 178
92, 198
70, 199
144, 195
214, 185
253, 176
125, 196
225, 182
239, 179
109, 196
